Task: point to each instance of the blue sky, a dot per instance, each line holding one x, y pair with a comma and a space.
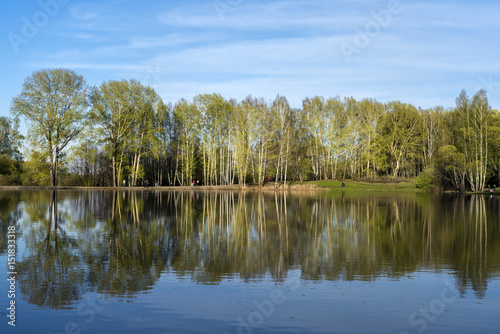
420, 52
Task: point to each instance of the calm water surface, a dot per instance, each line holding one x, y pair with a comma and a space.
234, 262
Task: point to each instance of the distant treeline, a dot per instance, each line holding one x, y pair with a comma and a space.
122, 133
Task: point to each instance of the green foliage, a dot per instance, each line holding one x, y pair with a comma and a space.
304, 170
188, 123
400, 136
10, 157
75, 180
450, 168
36, 170
127, 117
10, 138
494, 145
10, 171
427, 180
471, 133
53, 103
112, 116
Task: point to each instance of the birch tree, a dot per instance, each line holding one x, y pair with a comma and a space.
148, 106
262, 127
245, 135
187, 122
478, 164
352, 136
472, 134
335, 112
370, 113
164, 149
283, 133
431, 133
315, 117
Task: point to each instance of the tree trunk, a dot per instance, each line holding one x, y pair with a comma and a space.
56, 167
51, 168
114, 169
119, 171
138, 159
286, 162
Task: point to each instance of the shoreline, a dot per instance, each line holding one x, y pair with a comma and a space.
308, 186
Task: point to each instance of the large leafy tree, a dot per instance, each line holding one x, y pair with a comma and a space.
144, 141
112, 115
124, 114
54, 104
400, 135
164, 149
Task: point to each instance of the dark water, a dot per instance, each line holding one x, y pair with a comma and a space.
234, 262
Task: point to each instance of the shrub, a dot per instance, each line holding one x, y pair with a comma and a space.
427, 179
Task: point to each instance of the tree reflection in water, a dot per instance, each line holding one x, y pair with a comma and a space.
118, 243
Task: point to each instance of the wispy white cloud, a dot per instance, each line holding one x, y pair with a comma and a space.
169, 40
425, 55
450, 14
272, 56
83, 13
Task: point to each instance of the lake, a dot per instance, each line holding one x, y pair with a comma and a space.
102, 261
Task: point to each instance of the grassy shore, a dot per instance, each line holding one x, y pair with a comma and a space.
402, 185
408, 185
308, 186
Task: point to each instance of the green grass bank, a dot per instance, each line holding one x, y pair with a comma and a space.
407, 185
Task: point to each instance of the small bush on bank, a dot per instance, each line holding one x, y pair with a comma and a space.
427, 180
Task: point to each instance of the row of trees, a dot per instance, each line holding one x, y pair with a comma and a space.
123, 133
